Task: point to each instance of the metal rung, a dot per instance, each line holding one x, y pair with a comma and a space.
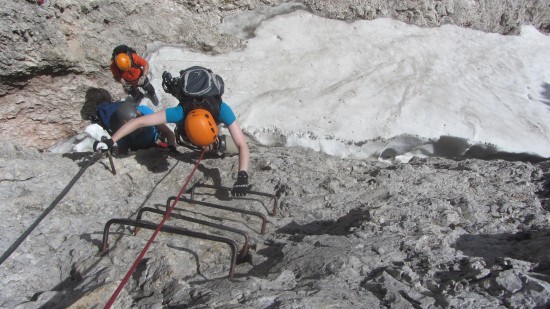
274, 197
243, 211
171, 229
243, 254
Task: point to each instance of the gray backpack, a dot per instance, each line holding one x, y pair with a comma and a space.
199, 82
194, 83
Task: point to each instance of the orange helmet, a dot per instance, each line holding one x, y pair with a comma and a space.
201, 127
123, 61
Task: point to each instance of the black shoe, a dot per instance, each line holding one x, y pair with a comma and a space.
218, 147
155, 100
222, 146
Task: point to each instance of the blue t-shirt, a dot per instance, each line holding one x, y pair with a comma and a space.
177, 114
141, 138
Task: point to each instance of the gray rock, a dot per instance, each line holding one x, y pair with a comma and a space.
439, 245
55, 52
431, 233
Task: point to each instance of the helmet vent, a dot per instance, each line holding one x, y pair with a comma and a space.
200, 127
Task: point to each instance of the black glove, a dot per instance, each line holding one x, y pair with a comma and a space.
104, 145
241, 186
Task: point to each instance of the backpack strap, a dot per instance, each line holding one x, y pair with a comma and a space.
211, 104
127, 50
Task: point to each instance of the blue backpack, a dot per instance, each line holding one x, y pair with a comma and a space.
107, 116
112, 115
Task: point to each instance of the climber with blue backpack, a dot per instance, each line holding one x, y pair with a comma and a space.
197, 116
112, 115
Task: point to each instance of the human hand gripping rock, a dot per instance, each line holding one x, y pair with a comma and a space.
141, 80
104, 145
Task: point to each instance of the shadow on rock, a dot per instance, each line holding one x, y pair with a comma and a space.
214, 174
154, 160
546, 94
452, 147
273, 254
87, 158
343, 226
488, 152
456, 148
530, 246
93, 97
83, 157
69, 290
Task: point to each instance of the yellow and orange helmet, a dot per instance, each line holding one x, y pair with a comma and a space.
200, 127
123, 61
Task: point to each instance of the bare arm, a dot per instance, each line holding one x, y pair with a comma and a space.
155, 119
240, 141
145, 69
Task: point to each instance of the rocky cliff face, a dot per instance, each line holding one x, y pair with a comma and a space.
433, 233
54, 52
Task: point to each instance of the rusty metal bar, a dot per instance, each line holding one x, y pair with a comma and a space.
243, 211
113, 170
273, 196
171, 229
242, 254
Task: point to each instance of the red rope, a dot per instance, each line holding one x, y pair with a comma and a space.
142, 254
